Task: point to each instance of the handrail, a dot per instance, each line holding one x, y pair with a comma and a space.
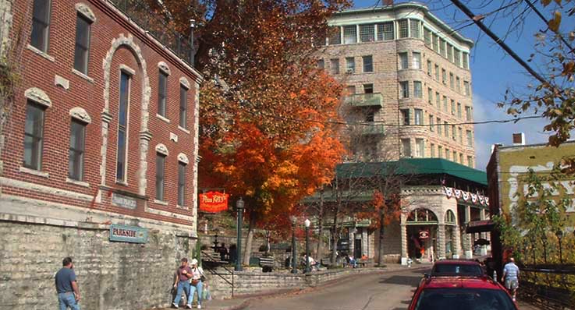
207, 255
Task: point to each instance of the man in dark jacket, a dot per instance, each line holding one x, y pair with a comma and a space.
67, 286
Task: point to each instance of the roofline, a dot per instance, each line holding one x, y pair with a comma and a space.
532, 145
415, 5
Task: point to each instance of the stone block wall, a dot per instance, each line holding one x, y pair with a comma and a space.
253, 281
111, 275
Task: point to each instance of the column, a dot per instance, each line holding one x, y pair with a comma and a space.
467, 247
404, 255
456, 242
440, 251
351, 242
483, 234
364, 242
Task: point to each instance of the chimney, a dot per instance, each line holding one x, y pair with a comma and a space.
387, 2
519, 138
494, 146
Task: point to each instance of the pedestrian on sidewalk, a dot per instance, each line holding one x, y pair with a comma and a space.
197, 278
67, 286
182, 283
511, 277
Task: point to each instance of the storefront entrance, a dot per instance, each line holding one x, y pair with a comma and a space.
422, 235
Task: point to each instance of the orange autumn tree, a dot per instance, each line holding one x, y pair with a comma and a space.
268, 116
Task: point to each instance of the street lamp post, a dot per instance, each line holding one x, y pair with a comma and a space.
192, 26
559, 235
293, 253
240, 207
307, 267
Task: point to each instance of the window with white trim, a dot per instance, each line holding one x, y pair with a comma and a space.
419, 148
385, 31
367, 63
77, 150
403, 62
33, 135
160, 176
416, 60
405, 148
414, 31
367, 33
403, 25
183, 106
40, 24
427, 37
162, 93
404, 86
417, 89
431, 123
350, 34
124, 107
82, 49
181, 183
418, 113
335, 37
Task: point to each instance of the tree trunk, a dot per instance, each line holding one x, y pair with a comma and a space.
380, 240
334, 235
320, 228
249, 239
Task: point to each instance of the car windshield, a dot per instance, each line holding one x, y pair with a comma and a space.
457, 270
464, 299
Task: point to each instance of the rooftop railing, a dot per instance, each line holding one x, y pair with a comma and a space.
157, 26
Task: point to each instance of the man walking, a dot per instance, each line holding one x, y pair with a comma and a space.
67, 286
183, 276
511, 277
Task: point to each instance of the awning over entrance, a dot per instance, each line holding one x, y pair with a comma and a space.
480, 226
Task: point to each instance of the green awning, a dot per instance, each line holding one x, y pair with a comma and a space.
413, 166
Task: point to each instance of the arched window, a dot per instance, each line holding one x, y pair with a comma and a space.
421, 216
449, 217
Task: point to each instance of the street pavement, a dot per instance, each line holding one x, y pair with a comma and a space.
387, 290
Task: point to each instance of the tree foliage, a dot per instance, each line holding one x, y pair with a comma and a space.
532, 224
553, 96
268, 116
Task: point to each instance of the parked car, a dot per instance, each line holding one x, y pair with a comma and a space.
461, 293
456, 268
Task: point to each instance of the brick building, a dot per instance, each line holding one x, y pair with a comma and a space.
408, 83
102, 131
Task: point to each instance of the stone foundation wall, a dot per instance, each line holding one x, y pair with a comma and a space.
111, 275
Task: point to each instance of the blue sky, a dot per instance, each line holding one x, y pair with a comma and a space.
493, 72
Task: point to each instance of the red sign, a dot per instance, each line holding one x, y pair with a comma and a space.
424, 234
213, 202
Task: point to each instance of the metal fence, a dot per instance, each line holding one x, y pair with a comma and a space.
156, 25
550, 286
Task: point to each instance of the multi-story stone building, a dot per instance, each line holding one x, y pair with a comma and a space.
408, 83
408, 95
98, 154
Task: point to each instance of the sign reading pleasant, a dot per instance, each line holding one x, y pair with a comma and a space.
213, 202
131, 234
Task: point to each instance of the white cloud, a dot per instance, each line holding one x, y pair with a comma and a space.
488, 134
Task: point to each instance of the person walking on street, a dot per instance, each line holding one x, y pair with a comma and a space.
196, 284
511, 277
67, 286
182, 283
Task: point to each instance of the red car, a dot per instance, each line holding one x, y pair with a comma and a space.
451, 268
461, 293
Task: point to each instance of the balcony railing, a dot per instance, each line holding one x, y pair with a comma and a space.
365, 100
140, 12
371, 129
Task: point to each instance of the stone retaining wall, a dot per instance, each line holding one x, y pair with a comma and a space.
111, 275
254, 281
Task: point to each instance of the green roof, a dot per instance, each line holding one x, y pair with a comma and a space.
414, 166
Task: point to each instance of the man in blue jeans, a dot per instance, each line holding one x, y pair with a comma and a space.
67, 286
182, 283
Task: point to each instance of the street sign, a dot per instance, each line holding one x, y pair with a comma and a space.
130, 234
424, 234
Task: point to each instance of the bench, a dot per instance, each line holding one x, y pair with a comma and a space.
267, 263
365, 262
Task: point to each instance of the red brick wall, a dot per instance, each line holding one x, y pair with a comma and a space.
37, 71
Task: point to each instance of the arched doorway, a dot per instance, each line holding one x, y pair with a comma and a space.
422, 234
